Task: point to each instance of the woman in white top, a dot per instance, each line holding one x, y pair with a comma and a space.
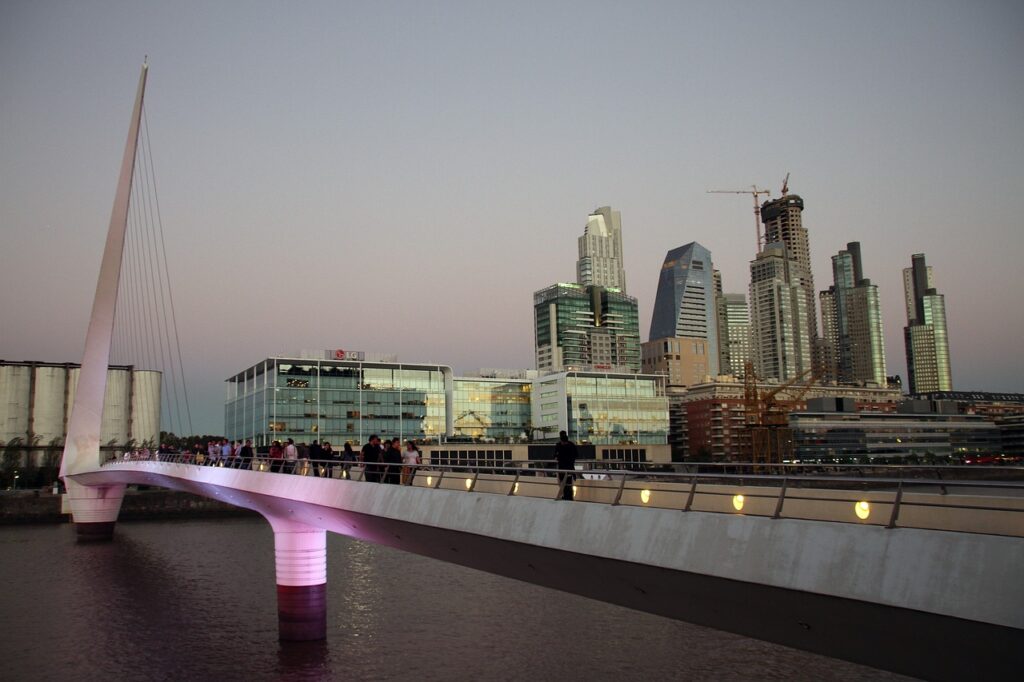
410, 457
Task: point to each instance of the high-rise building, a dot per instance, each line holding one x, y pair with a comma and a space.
684, 360
853, 345
684, 307
585, 328
783, 223
780, 336
908, 289
925, 335
733, 333
600, 247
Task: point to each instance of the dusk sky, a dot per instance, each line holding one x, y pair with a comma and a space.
401, 177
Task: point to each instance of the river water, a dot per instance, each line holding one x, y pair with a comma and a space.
195, 600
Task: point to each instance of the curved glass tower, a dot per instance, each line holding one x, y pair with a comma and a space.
684, 306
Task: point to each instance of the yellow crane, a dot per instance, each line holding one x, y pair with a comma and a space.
754, 192
771, 440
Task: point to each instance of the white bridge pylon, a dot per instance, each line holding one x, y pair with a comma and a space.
94, 509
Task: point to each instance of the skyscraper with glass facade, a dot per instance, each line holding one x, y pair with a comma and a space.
925, 336
684, 306
600, 251
853, 345
585, 327
783, 223
733, 333
780, 339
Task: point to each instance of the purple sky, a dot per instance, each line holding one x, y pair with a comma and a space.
400, 177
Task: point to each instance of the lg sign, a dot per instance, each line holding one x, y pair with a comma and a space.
341, 354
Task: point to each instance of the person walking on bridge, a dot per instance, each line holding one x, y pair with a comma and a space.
393, 458
372, 459
348, 457
276, 463
245, 454
291, 456
410, 458
565, 453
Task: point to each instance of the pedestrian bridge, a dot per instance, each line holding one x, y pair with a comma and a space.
910, 575
873, 570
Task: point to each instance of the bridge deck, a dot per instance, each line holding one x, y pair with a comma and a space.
801, 582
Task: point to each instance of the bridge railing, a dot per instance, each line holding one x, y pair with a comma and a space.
891, 497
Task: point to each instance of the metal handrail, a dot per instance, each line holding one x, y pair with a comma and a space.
515, 467
791, 484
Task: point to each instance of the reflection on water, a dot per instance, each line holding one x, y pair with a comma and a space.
196, 600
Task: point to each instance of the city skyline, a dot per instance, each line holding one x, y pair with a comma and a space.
368, 140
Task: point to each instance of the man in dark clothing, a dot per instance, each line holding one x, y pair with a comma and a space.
393, 457
245, 455
316, 453
371, 459
565, 453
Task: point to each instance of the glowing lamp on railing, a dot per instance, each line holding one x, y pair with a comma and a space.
645, 496
575, 490
430, 480
862, 509
737, 502
469, 483
515, 489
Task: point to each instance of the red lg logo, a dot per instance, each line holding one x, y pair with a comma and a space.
339, 355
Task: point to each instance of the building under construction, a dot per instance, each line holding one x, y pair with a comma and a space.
710, 420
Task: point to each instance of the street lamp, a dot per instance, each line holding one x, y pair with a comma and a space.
16, 476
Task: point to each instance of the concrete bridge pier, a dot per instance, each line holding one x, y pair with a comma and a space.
94, 509
300, 554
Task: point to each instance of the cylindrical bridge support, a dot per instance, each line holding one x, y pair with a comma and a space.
94, 509
300, 554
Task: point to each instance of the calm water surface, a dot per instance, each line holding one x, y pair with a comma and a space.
195, 600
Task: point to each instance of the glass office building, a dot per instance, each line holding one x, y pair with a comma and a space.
852, 344
925, 336
491, 410
337, 401
684, 306
780, 344
601, 408
832, 429
585, 327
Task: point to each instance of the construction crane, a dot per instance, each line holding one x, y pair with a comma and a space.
754, 192
785, 185
771, 440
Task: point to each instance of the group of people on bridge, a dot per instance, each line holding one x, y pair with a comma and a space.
383, 461
388, 462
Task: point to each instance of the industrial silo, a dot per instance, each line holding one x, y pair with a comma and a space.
48, 408
146, 407
15, 390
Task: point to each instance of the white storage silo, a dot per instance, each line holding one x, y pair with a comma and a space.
146, 406
116, 403
48, 405
15, 383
